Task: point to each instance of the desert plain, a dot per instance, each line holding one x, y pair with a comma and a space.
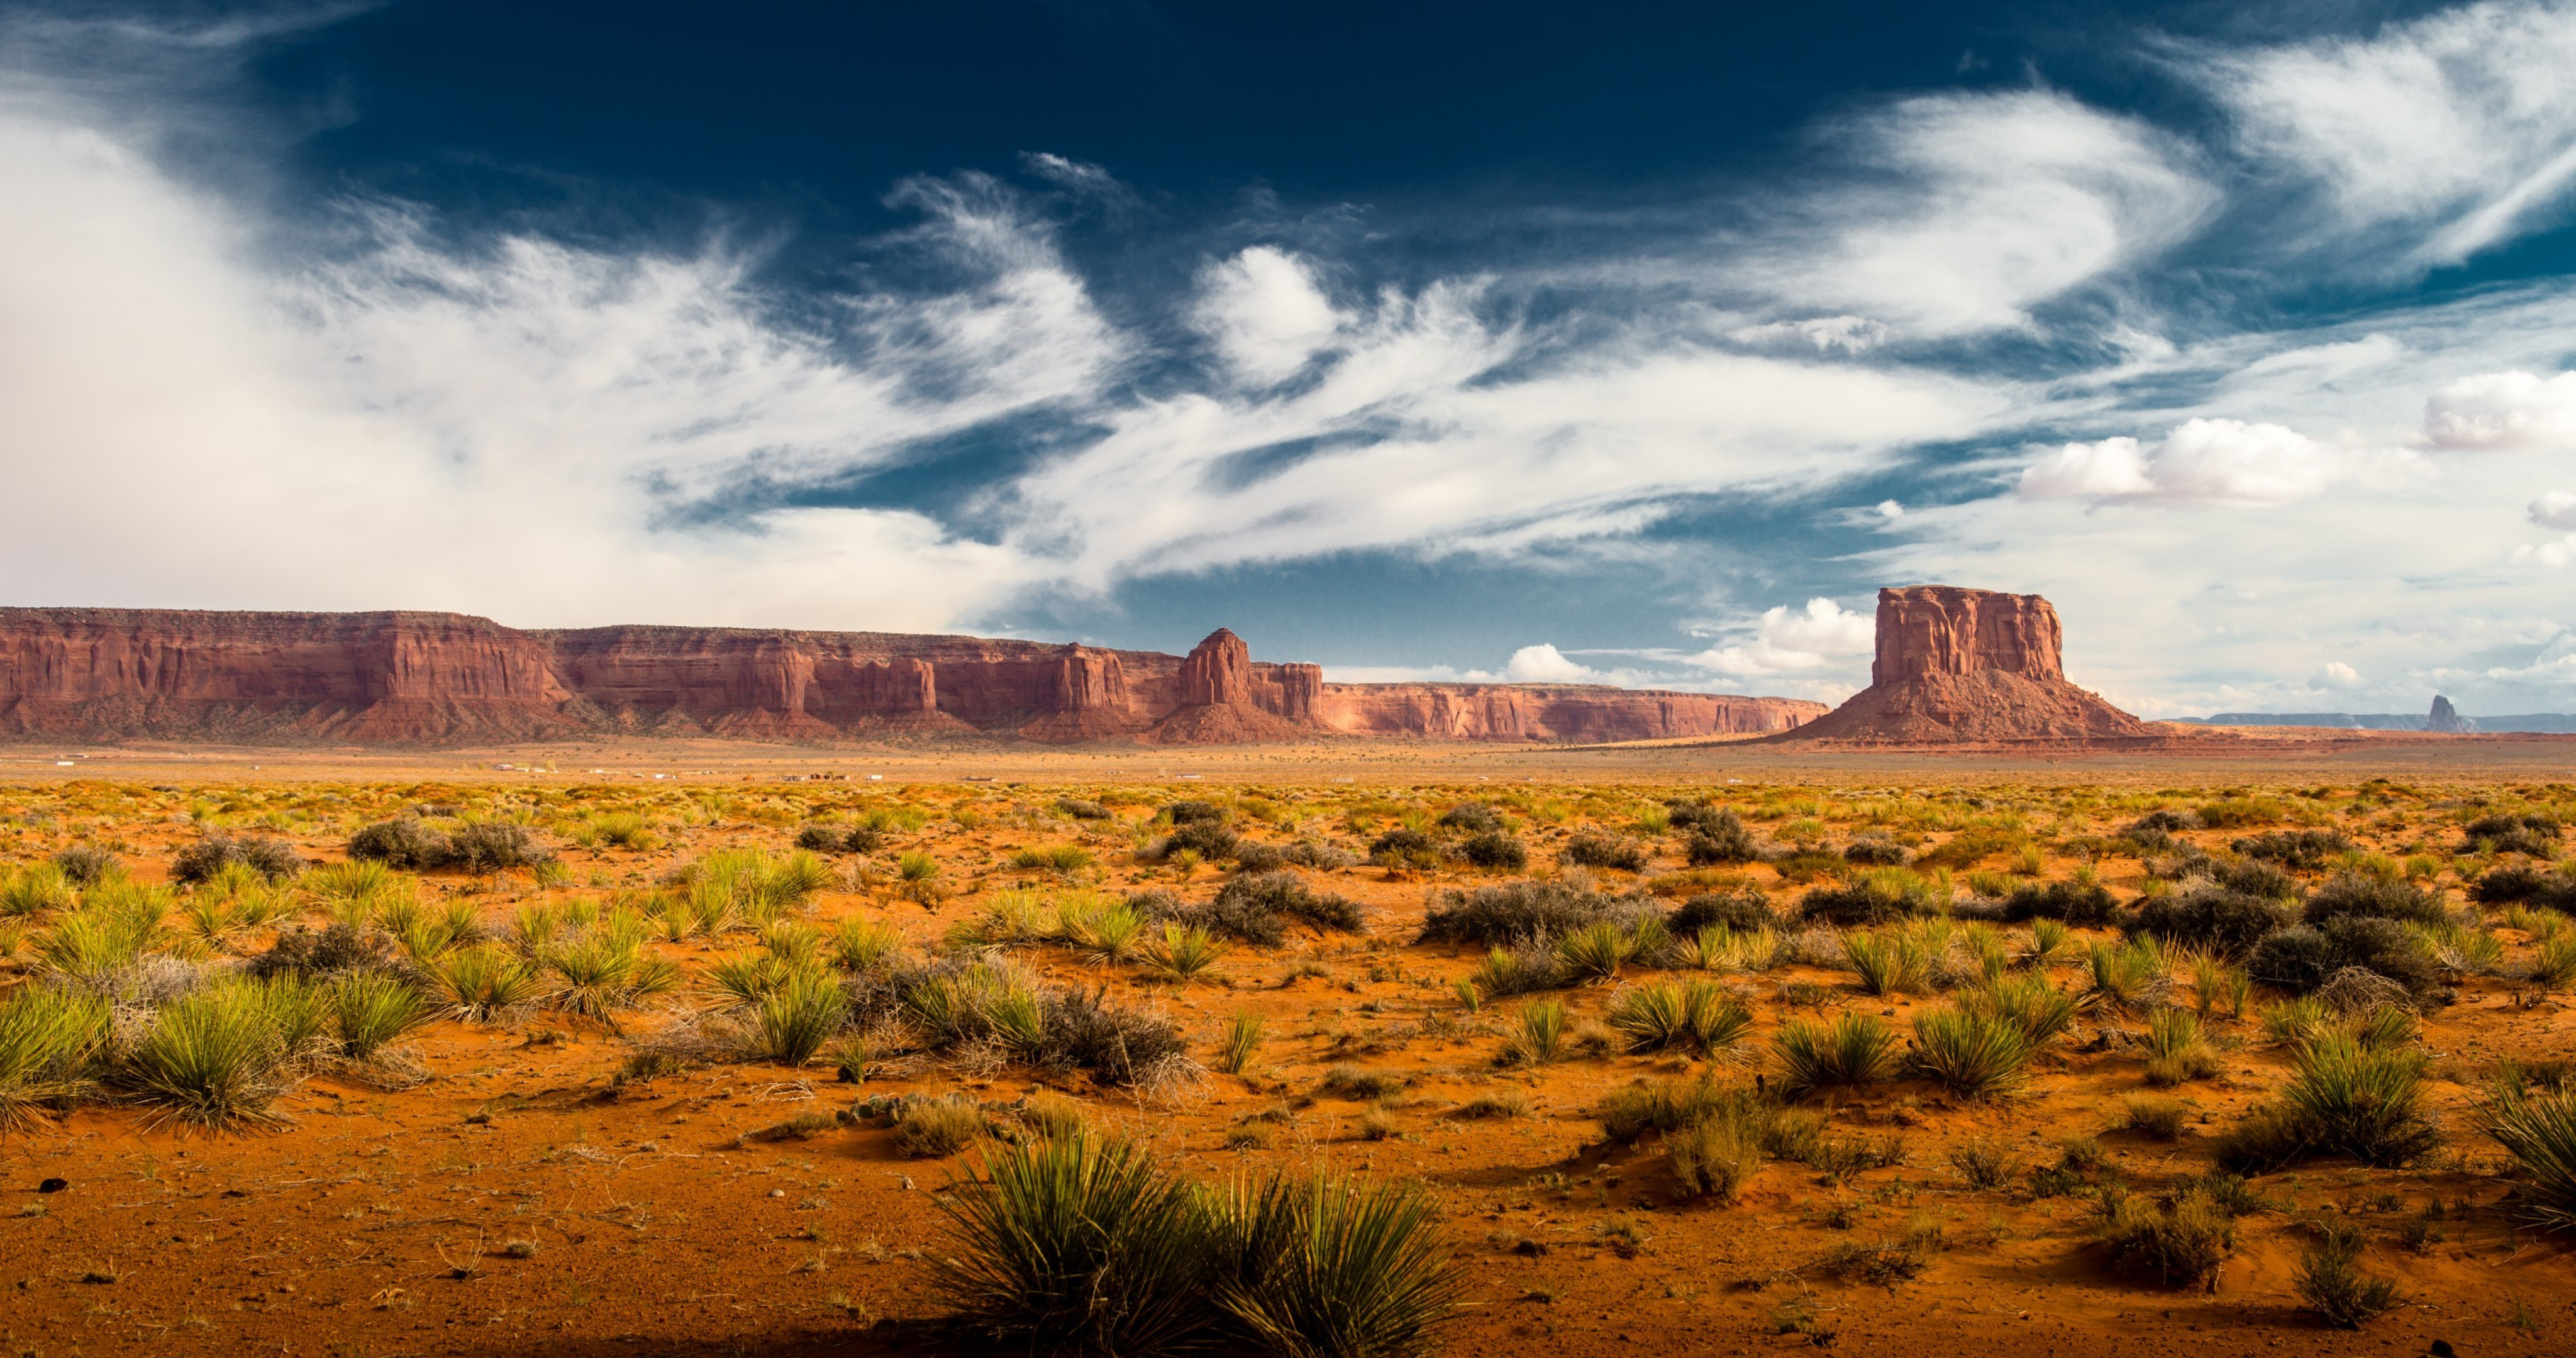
583, 1170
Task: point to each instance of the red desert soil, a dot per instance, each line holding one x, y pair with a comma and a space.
524, 1199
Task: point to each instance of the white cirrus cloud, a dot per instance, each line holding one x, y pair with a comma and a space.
1974, 208
2201, 461
2504, 410
2454, 132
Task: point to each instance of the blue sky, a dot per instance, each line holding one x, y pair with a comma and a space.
1633, 344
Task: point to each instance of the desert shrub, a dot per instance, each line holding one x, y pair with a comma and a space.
1256, 908
1082, 809
1473, 817
1983, 1164
272, 859
823, 839
1308, 853
1975, 1055
405, 842
1879, 896
1518, 971
220, 1056
1194, 813
1525, 912
2301, 959
1812, 1054
2175, 1050
1117, 1043
1209, 839
1695, 1016
2165, 820
334, 950
495, 846
2331, 1282
1716, 1154
1666, 1106
933, 1129
2181, 1241
2227, 813
2086, 903
47, 1037
1742, 910
2153, 1115
2208, 917
1251, 857
1873, 852
2535, 834
1591, 849
2344, 1099
1494, 849
2515, 883
2299, 850
2539, 1131
87, 865
1404, 847
2254, 877
2352, 894
1718, 839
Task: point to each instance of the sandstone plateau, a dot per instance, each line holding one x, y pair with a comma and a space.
1973, 667
400, 678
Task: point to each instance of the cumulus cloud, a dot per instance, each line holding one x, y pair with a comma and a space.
1822, 635
2506, 410
1266, 313
2201, 461
2337, 675
2557, 509
1544, 664
2455, 132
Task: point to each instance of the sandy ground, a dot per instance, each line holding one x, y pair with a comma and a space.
650, 1219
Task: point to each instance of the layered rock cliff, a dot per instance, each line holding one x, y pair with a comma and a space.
1971, 666
439, 678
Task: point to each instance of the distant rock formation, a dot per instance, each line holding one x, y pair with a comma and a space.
444, 679
2447, 718
1970, 666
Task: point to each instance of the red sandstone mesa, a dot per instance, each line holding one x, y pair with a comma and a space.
443, 678
1971, 666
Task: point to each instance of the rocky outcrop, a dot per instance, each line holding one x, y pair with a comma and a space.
1970, 666
1583, 714
438, 678
2446, 718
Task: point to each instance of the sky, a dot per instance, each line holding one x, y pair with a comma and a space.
1614, 343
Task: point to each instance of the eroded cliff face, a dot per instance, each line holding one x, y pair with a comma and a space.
436, 678
1971, 666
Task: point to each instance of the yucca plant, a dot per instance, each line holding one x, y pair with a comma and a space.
1812, 1054
2296, 1021
2553, 965
863, 945
2175, 1051
1238, 1042
47, 1038
357, 879
740, 981
1717, 1153
484, 983
1105, 930
2030, 1002
1887, 963
2181, 1242
1694, 1015
793, 942
2332, 1283
1326, 1266
1537, 1035
2123, 976
373, 1009
2382, 1027
596, 975
1075, 1244
37, 889
2539, 1131
2048, 938
218, 1057
1182, 955
1975, 1055
800, 1015
110, 929
1594, 952
209, 918
2343, 1099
